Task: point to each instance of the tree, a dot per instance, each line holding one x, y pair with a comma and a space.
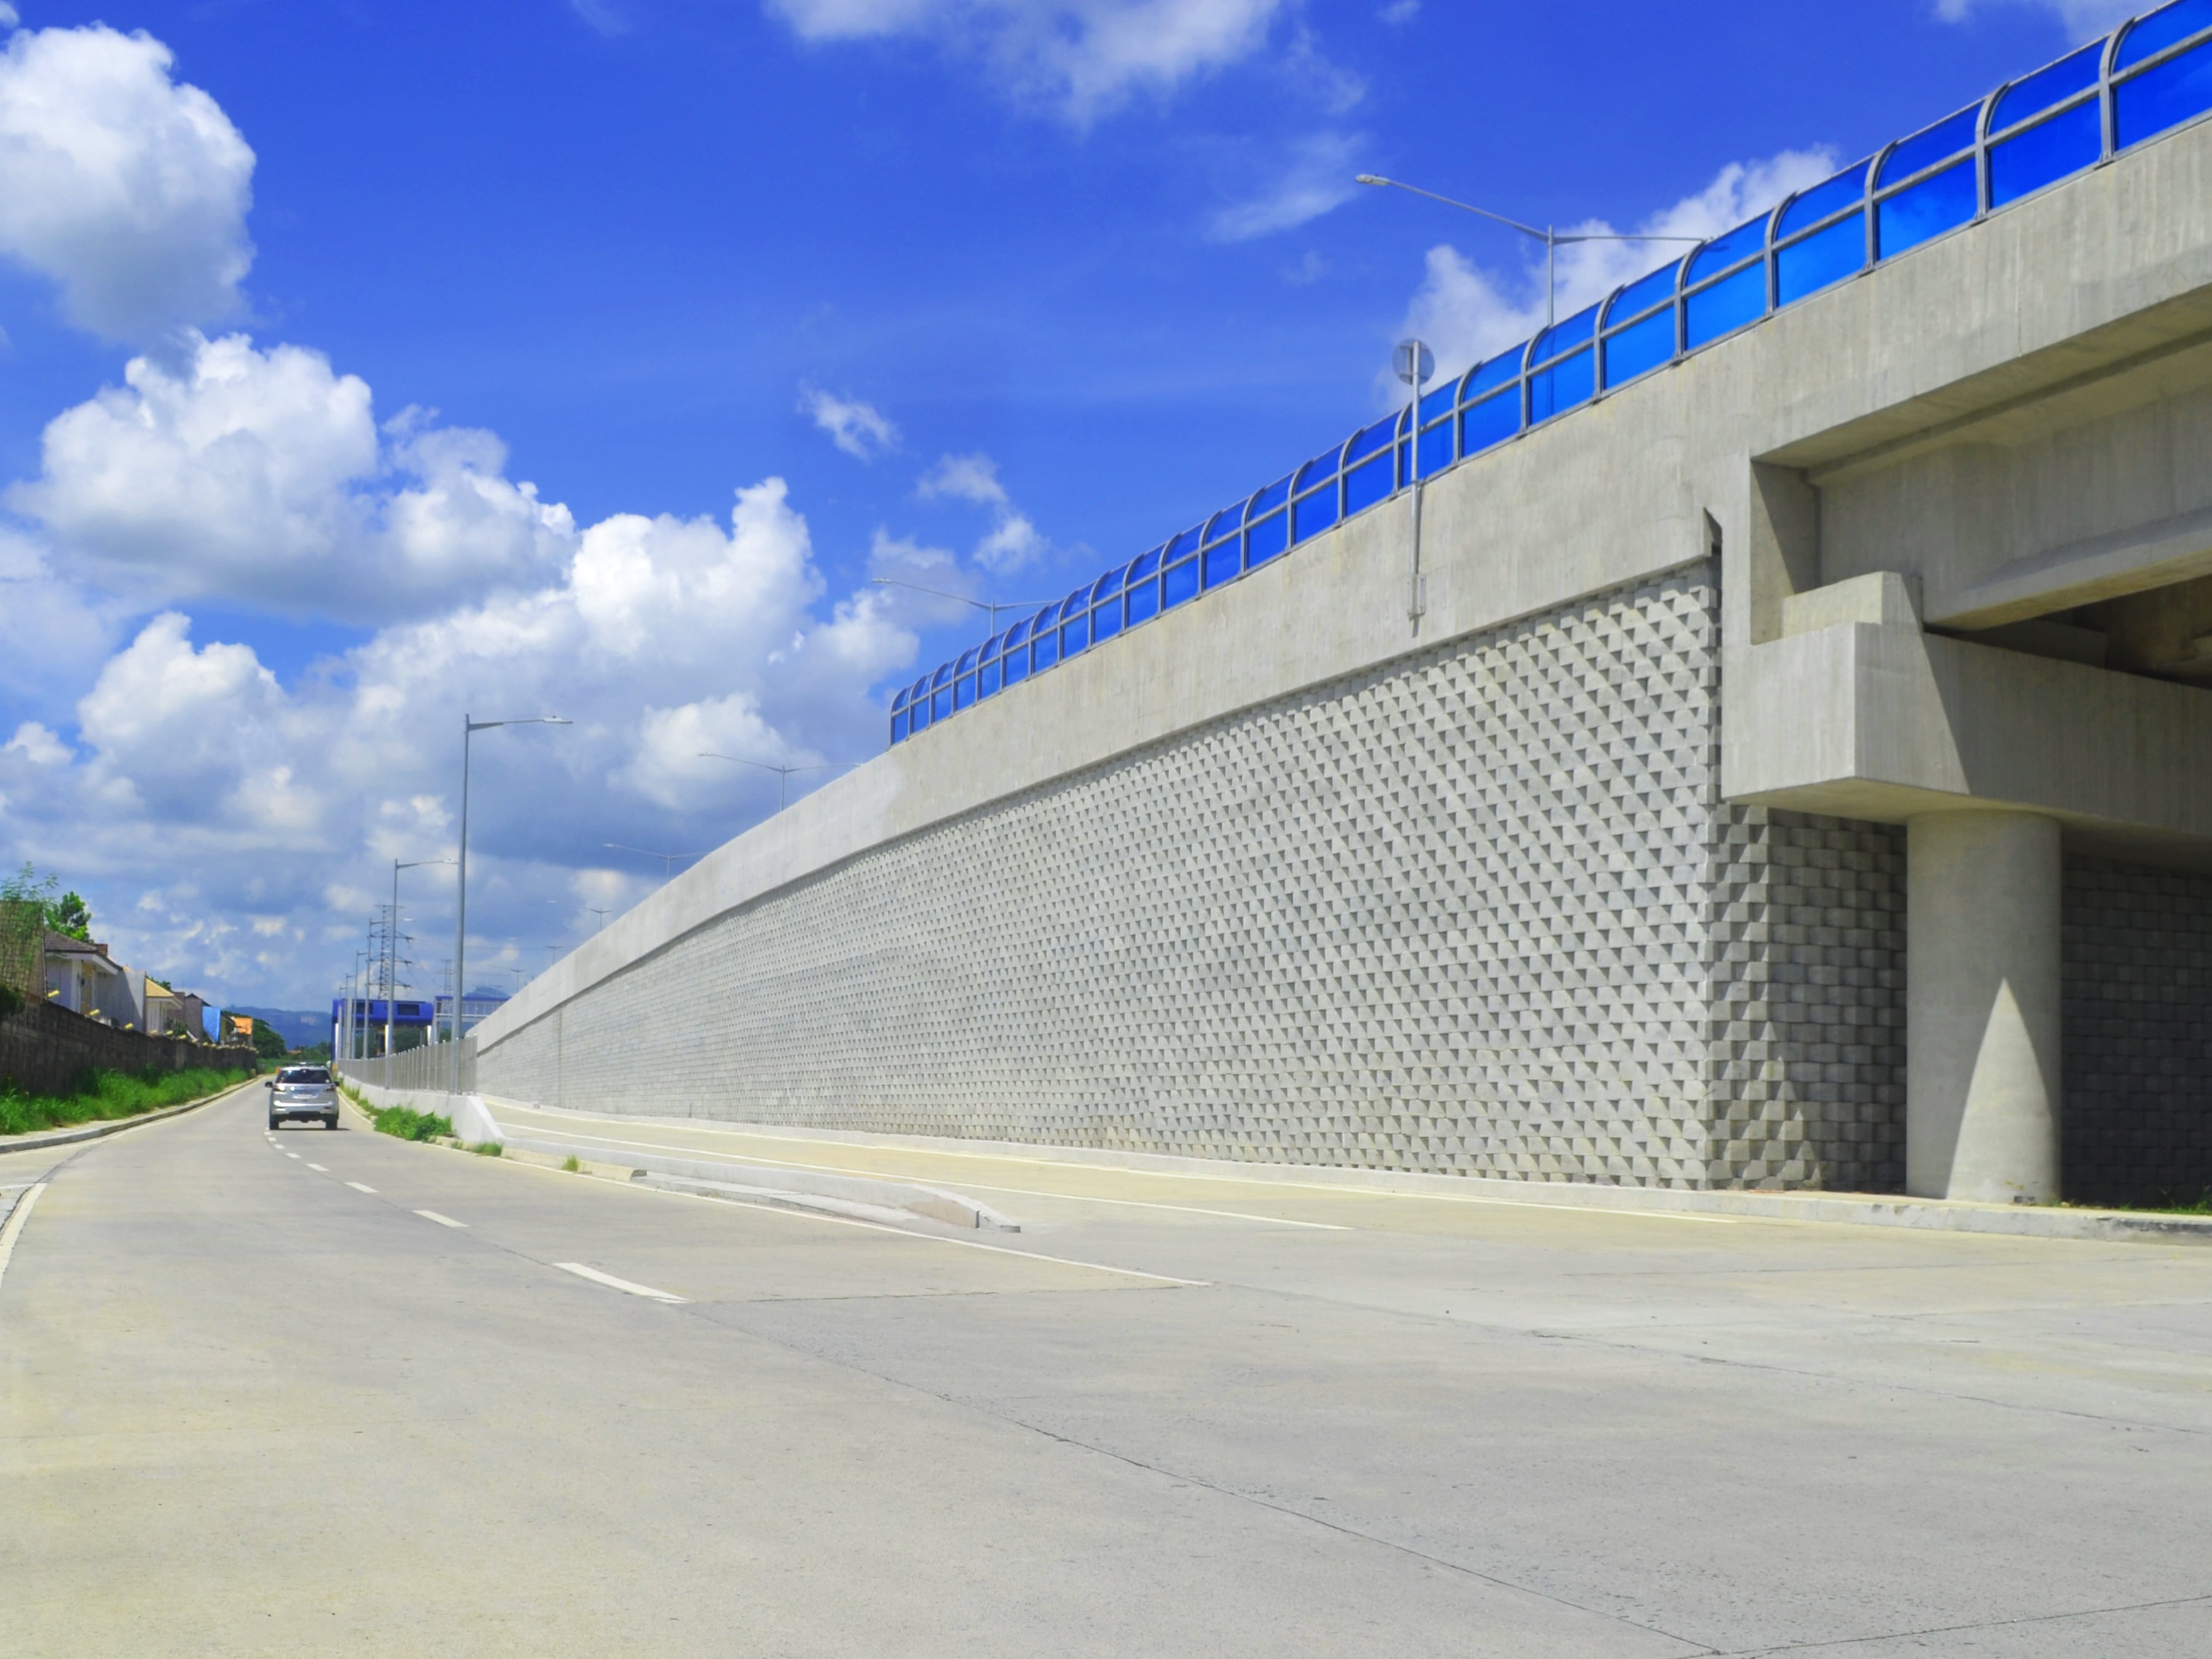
70, 915
268, 1042
24, 898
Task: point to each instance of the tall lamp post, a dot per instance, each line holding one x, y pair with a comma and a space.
469, 729
994, 606
782, 773
1549, 236
354, 1016
392, 976
667, 859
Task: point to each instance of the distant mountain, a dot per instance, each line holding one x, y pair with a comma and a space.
297, 1027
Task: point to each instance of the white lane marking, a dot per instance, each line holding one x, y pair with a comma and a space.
880, 1227
291, 1154
358, 1188
1025, 1192
1147, 1204
16, 1217
923, 1238
612, 1283
319, 1169
1163, 1175
442, 1220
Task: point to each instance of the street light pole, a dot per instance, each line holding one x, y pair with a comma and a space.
353, 1004
470, 727
392, 977
1415, 364
667, 859
1549, 236
782, 773
994, 606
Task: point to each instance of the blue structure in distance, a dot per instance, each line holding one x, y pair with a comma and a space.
369, 1011
2146, 78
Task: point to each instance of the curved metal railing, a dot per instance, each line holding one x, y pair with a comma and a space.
2147, 77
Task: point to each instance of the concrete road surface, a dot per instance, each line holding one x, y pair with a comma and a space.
332, 1393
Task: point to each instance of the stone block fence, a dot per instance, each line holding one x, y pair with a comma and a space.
46, 1048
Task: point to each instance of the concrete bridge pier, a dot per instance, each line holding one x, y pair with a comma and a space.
1982, 1005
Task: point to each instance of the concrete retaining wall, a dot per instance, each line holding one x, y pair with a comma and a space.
2137, 1127
46, 1048
1481, 911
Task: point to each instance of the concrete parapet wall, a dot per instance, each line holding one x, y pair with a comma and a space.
45, 1048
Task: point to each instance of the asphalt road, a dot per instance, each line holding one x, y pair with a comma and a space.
263, 1398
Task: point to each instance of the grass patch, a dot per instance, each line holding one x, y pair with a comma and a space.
2166, 1205
572, 1166
486, 1149
408, 1124
102, 1097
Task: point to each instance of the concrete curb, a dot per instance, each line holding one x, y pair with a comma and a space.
1842, 1209
862, 1197
889, 1203
77, 1131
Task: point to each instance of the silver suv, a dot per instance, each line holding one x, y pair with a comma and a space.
303, 1092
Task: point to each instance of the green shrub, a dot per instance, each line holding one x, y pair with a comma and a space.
572, 1166
486, 1149
102, 1097
411, 1124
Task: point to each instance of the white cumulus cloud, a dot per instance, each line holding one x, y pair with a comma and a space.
126, 189
963, 477
1315, 178
2084, 20
39, 745
1082, 57
1012, 540
197, 778
54, 636
858, 428
1466, 312
261, 475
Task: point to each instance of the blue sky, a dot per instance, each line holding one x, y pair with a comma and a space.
1062, 275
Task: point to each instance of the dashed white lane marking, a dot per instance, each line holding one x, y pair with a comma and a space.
358, 1188
16, 1217
612, 1283
319, 1169
291, 1154
442, 1220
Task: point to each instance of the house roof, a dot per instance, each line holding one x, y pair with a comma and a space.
61, 945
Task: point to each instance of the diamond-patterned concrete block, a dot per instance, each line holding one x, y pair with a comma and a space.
1480, 911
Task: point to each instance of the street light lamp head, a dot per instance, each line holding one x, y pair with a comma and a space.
1368, 178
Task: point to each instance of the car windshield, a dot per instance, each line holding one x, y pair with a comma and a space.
303, 1074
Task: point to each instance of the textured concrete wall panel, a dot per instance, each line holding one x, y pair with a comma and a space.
1456, 914
2138, 1048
